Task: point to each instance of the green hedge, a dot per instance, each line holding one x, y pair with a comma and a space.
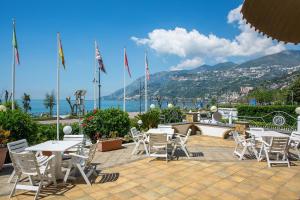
261, 111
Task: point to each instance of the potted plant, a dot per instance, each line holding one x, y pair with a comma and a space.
110, 143
106, 127
4, 135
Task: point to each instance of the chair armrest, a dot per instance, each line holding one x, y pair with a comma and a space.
179, 135
265, 143
47, 160
78, 156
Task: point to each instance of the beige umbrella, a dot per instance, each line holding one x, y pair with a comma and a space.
278, 19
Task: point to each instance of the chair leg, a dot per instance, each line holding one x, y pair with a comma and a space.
243, 152
146, 149
83, 175
183, 147
11, 176
268, 159
14, 187
260, 152
136, 147
39, 188
67, 174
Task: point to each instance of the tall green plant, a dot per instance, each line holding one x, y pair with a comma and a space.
26, 102
150, 119
49, 102
172, 115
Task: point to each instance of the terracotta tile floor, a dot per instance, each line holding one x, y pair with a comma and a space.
209, 176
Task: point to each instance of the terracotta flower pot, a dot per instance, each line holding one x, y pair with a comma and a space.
3, 151
109, 145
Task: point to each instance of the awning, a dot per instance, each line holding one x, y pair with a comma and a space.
278, 19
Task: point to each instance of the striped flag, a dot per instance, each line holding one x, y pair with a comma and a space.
61, 52
15, 44
126, 63
147, 68
100, 60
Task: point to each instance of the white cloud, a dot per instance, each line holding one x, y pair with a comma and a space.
188, 63
194, 45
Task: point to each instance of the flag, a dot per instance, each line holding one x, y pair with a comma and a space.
126, 63
147, 68
100, 60
15, 44
61, 52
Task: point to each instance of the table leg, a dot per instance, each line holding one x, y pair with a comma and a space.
58, 165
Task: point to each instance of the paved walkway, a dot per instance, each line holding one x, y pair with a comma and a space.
213, 173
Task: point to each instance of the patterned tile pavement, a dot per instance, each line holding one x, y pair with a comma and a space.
212, 174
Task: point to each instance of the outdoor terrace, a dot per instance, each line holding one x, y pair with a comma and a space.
211, 173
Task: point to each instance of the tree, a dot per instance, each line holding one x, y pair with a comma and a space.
26, 102
294, 92
49, 102
72, 106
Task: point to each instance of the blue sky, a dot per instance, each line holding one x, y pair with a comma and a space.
177, 35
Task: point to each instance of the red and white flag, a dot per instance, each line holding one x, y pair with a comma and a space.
126, 63
147, 68
100, 60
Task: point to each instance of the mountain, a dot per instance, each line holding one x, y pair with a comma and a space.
219, 79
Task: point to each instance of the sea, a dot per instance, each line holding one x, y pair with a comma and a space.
38, 108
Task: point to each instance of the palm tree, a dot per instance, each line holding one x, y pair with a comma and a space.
26, 102
49, 102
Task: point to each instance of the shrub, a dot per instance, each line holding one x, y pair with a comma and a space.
150, 119
107, 123
19, 124
264, 111
172, 115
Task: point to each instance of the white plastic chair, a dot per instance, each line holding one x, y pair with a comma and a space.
26, 163
279, 147
181, 141
159, 145
79, 138
19, 147
244, 145
294, 142
83, 163
138, 139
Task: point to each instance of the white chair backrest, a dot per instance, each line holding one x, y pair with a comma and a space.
157, 139
279, 144
257, 129
295, 136
134, 132
26, 163
17, 146
74, 138
237, 137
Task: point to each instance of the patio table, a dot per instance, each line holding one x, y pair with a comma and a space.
57, 148
260, 135
160, 131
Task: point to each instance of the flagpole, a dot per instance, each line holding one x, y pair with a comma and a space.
57, 90
99, 88
95, 79
13, 72
146, 85
124, 77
